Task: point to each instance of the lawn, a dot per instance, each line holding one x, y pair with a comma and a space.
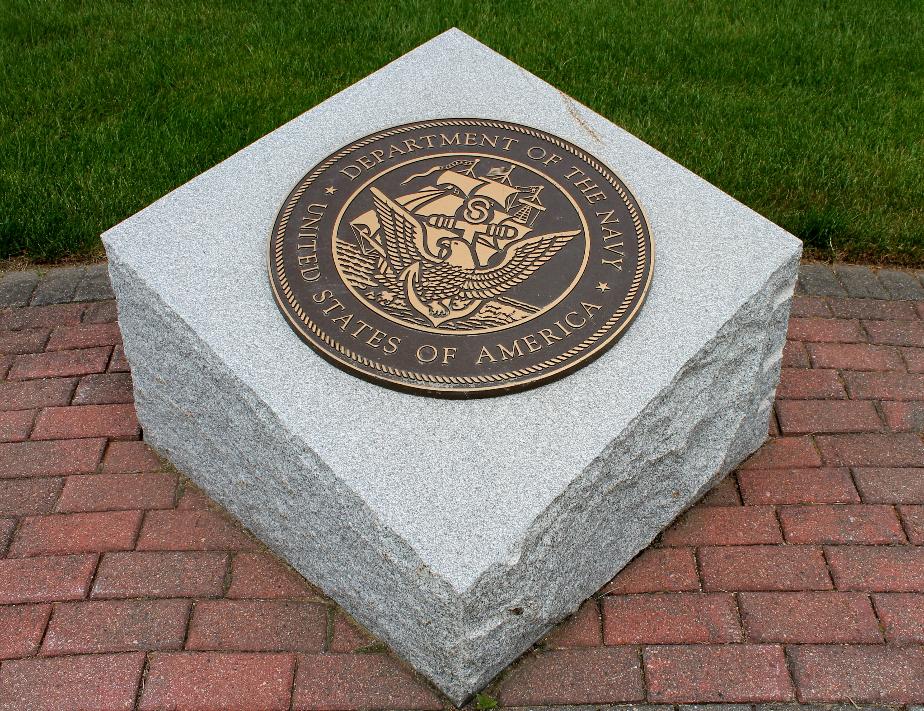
812, 113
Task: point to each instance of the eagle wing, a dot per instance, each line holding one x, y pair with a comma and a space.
403, 231
442, 281
522, 258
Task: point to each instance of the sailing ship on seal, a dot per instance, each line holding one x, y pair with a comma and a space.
445, 255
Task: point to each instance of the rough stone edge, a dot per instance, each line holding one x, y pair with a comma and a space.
392, 593
579, 539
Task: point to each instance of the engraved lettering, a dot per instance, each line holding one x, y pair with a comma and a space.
485, 353
515, 350
344, 321
426, 353
363, 326
549, 337
577, 317
531, 343
590, 309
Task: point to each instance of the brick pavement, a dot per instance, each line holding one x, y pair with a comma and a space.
798, 579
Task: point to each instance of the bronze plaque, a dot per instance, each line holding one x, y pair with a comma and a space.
460, 257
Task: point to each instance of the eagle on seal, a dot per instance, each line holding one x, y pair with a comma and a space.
450, 282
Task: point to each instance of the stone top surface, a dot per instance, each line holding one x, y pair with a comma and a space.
458, 480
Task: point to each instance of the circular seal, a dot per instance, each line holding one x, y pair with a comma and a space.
460, 257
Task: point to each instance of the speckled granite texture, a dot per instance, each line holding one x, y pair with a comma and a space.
457, 541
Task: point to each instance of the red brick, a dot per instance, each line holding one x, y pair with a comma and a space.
76, 533
826, 330
864, 450
722, 673
93, 682
914, 358
896, 333
809, 416
44, 316
872, 309
875, 674
81, 421
111, 492
32, 394
116, 626
104, 389
258, 626
118, 364
59, 364
913, 518
670, 618
729, 568
657, 570
809, 617
22, 459
31, 340
348, 637
804, 306
85, 335
5, 362
596, 675
21, 629
902, 617
230, 682
332, 682
257, 575
186, 574
724, 526
24, 497
130, 456
45, 579
192, 531
582, 629
101, 312
877, 568
797, 486
798, 384
885, 386
849, 523
891, 486
856, 356
725, 493
903, 416
795, 355
193, 498
784, 453
15, 425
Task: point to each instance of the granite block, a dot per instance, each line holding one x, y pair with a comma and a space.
457, 541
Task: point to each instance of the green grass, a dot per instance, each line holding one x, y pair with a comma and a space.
809, 112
